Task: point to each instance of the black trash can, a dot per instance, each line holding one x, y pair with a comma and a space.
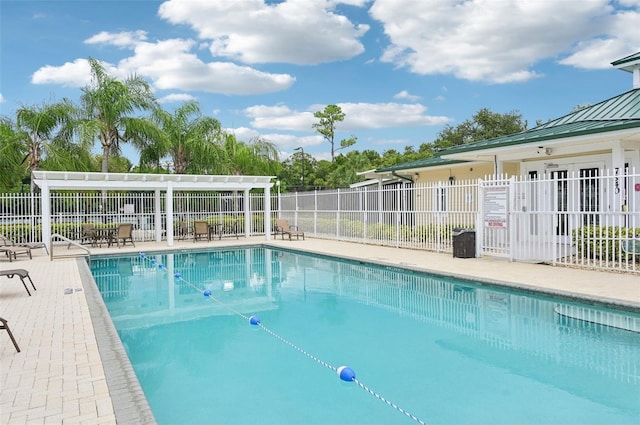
464, 243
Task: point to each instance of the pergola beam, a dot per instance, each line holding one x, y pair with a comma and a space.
158, 183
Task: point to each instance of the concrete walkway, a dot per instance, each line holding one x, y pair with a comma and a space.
64, 372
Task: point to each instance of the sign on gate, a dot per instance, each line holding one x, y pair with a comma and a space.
495, 206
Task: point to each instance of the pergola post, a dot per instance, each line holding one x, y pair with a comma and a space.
247, 212
158, 215
169, 211
267, 212
45, 196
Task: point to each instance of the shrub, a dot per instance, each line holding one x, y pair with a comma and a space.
602, 242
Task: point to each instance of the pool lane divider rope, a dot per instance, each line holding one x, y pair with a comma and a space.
344, 372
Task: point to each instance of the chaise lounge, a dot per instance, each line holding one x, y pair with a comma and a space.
22, 274
13, 251
283, 227
4, 326
31, 245
124, 234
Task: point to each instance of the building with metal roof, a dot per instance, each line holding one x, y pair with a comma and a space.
604, 136
578, 171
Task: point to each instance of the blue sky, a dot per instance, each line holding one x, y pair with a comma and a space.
399, 69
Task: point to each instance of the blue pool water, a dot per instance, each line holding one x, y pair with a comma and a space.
445, 351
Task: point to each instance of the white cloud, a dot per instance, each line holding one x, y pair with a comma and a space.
500, 41
358, 116
289, 141
623, 40
120, 39
279, 118
281, 141
71, 74
405, 95
294, 31
176, 97
169, 65
243, 133
361, 116
2, 99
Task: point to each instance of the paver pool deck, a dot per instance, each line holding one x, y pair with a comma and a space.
70, 368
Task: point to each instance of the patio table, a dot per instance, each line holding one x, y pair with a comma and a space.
106, 234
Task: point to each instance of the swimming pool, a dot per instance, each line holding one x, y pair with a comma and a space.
445, 350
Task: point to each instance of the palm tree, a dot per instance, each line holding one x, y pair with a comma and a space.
258, 157
186, 136
11, 153
108, 104
46, 132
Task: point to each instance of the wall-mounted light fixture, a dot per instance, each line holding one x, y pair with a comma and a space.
452, 179
544, 151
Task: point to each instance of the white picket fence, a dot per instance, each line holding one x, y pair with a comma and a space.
585, 220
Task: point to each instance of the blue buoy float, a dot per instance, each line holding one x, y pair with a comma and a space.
143, 255
160, 265
346, 373
177, 275
254, 320
207, 292
153, 261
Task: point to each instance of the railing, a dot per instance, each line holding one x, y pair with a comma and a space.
588, 219
57, 237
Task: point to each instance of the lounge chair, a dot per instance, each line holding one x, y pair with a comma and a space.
181, 230
89, 234
284, 228
13, 251
32, 245
5, 327
22, 274
200, 229
124, 233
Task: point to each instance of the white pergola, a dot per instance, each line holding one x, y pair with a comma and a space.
159, 183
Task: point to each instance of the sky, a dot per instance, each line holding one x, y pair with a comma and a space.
399, 69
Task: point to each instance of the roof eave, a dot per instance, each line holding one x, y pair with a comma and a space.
453, 153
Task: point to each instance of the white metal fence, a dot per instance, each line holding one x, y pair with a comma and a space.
588, 219
20, 214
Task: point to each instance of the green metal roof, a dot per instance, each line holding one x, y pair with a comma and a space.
618, 113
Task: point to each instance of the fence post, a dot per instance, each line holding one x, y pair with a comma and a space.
510, 222
169, 211
45, 195
479, 220
338, 213
158, 216
266, 213
315, 212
